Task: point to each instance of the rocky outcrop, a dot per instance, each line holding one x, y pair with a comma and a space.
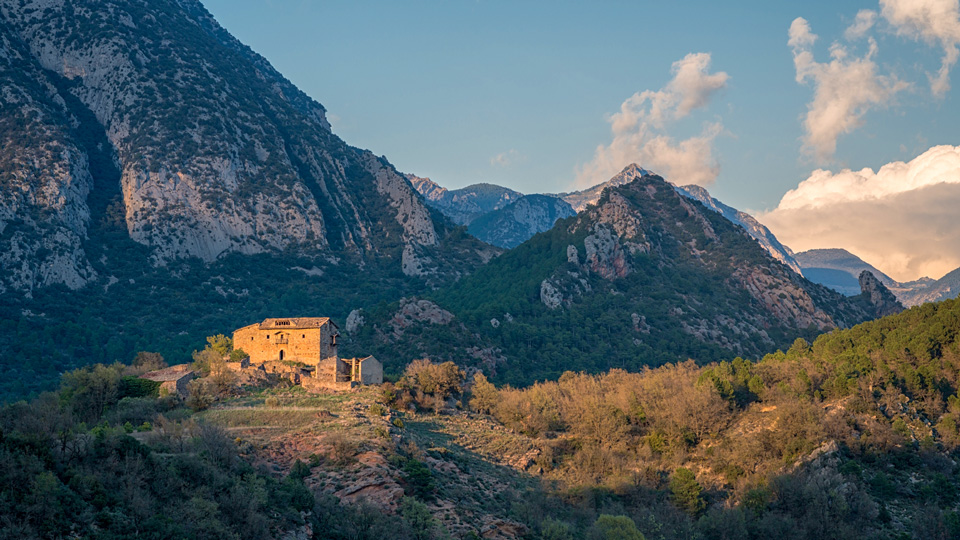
412, 311
355, 321
604, 254
883, 301
784, 300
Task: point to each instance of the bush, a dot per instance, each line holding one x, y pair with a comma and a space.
272, 402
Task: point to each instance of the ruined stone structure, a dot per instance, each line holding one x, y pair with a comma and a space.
367, 370
304, 349
173, 380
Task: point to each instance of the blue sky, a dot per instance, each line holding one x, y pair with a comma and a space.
444, 87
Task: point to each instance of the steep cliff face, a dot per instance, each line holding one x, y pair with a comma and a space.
217, 152
44, 179
515, 223
879, 296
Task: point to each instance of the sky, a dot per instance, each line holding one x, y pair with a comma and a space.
788, 110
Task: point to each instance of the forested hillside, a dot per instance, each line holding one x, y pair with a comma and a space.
853, 436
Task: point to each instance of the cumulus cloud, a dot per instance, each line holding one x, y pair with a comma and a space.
639, 135
933, 21
505, 159
902, 218
845, 88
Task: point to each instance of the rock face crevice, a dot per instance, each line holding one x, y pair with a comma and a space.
217, 152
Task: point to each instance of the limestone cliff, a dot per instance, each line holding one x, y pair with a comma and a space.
217, 152
44, 180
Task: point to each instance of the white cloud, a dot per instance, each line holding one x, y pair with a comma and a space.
505, 159
639, 136
862, 24
845, 88
902, 218
933, 21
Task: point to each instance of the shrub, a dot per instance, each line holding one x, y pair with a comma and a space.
272, 402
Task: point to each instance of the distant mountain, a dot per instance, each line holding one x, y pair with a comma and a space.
754, 228
581, 199
517, 222
643, 277
839, 269
465, 204
929, 290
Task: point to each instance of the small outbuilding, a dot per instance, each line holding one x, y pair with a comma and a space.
367, 370
173, 380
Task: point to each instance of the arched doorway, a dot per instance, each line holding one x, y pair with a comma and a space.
281, 356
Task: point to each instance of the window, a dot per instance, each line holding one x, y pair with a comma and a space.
333, 340
268, 336
251, 338
303, 336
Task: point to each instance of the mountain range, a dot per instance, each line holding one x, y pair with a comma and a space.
163, 175
644, 276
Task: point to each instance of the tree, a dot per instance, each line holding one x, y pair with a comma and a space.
220, 343
686, 491
149, 361
484, 395
609, 527
417, 515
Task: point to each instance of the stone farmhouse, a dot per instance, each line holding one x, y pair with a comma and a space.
305, 350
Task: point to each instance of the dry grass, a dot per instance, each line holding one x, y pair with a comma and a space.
262, 417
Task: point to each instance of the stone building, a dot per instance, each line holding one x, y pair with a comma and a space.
303, 340
173, 380
367, 370
304, 349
